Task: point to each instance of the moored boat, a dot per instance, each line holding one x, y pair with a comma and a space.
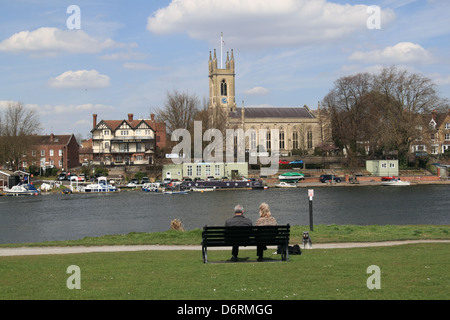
102, 185
395, 182
27, 189
291, 177
283, 184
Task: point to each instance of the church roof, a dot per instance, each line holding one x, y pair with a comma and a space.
273, 112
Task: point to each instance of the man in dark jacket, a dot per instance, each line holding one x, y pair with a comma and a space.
237, 221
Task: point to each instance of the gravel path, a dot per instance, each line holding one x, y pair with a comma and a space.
27, 251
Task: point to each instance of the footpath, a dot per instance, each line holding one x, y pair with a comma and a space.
28, 251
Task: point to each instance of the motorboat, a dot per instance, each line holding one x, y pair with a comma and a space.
291, 177
26, 189
102, 185
150, 187
203, 189
176, 192
283, 184
394, 182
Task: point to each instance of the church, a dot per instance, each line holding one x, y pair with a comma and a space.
300, 129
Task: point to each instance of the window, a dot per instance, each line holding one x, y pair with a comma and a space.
189, 170
199, 170
447, 136
139, 158
208, 170
60, 163
123, 132
51, 153
106, 132
42, 153
217, 170
60, 152
138, 132
148, 132
33, 153
106, 145
295, 140
268, 141
309, 139
447, 125
223, 88
138, 147
253, 139
384, 165
281, 139
391, 165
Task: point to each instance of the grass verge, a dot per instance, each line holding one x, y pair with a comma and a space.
321, 234
417, 271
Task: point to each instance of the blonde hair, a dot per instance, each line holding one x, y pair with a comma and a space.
264, 210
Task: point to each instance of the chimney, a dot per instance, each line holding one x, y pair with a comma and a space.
152, 116
52, 137
94, 119
130, 117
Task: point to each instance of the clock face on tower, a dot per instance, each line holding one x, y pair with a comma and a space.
224, 100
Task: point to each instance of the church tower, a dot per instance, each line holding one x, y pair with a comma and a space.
221, 87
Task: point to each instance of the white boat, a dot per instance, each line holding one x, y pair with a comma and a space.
150, 187
395, 182
102, 185
203, 189
21, 190
176, 192
286, 185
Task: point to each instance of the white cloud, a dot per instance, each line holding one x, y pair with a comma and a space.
257, 91
403, 52
81, 79
260, 23
53, 40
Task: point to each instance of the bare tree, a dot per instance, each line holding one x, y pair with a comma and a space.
179, 110
380, 112
18, 125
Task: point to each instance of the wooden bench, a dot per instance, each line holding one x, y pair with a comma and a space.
246, 236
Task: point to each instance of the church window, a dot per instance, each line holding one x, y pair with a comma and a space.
268, 142
281, 139
253, 139
223, 88
309, 139
295, 140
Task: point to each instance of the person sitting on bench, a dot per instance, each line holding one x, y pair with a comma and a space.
237, 221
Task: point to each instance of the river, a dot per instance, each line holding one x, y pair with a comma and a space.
68, 217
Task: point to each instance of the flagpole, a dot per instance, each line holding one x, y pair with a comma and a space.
221, 49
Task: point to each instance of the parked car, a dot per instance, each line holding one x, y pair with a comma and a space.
62, 176
283, 162
145, 180
329, 177
296, 162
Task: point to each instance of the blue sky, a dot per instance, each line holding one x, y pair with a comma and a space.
128, 54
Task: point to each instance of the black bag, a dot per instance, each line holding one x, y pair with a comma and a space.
295, 250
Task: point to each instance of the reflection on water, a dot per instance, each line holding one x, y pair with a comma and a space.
61, 217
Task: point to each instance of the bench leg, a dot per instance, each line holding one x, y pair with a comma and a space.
204, 254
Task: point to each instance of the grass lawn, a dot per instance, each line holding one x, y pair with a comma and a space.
418, 271
321, 234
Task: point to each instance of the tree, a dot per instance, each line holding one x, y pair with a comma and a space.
179, 111
379, 113
17, 127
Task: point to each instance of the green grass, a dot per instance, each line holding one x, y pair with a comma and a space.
321, 234
417, 271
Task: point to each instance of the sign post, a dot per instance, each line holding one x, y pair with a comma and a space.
311, 196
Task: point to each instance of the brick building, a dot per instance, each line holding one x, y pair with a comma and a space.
53, 151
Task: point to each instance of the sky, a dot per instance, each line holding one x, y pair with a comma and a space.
71, 59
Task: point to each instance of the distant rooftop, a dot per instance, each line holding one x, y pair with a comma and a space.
272, 112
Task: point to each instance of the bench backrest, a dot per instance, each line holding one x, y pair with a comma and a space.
254, 235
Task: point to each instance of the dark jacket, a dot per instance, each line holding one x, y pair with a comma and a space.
238, 221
